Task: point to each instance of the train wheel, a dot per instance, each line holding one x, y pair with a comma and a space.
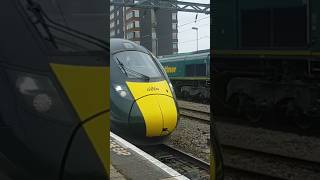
184, 94
250, 110
233, 103
295, 115
304, 122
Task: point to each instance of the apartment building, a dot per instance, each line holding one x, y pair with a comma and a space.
157, 30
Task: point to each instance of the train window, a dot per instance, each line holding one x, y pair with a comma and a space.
255, 26
290, 27
196, 70
139, 62
274, 27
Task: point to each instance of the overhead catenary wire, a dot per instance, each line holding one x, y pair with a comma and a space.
193, 21
203, 37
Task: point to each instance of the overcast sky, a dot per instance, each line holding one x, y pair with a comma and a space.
187, 37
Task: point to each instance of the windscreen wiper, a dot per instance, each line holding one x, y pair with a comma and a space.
125, 69
121, 66
43, 18
36, 10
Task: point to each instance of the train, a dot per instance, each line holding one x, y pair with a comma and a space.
190, 74
54, 106
266, 61
142, 99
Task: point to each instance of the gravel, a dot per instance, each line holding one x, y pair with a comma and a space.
276, 142
192, 137
287, 144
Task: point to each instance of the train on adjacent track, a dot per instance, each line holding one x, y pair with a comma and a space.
143, 104
267, 60
190, 74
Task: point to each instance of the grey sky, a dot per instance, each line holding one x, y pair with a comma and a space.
187, 36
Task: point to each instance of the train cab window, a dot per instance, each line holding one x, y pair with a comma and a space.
135, 62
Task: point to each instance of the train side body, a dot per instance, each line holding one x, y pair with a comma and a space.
267, 56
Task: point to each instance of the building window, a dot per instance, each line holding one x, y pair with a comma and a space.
137, 34
174, 16
118, 21
135, 13
112, 24
175, 45
117, 13
111, 8
130, 35
174, 36
133, 24
112, 16
112, 33
118, 31
174, 26
136, 24
129, 15
130, 25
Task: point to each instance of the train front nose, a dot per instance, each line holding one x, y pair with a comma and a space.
156, 114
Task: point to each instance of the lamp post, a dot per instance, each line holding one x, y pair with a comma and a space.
195, 28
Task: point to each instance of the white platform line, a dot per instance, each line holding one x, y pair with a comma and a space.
153, 160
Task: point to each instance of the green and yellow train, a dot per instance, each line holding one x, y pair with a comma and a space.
190, 74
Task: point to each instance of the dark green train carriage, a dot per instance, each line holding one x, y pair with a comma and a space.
189, 73
267, 59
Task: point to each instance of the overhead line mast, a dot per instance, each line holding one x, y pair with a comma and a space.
165, 4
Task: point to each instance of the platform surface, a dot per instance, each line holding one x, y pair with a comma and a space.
115, 174
135, 164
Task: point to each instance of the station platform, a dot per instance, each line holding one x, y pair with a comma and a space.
133, 163
115, 174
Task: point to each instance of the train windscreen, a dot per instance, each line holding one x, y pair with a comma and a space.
135, 62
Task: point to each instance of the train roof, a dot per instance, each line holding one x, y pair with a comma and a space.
117, 45
183, 57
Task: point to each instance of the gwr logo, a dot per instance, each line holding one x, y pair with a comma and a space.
170, 70
152, 88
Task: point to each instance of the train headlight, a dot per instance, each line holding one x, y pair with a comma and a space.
40, 96
42, 102
121, 90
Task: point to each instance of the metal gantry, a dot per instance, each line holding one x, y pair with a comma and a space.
164, 4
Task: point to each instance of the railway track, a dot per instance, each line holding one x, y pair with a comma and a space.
235, 173
194, 111
251, 163
184, 163
268, 165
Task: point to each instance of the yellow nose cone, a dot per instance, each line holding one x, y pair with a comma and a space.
156, 103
